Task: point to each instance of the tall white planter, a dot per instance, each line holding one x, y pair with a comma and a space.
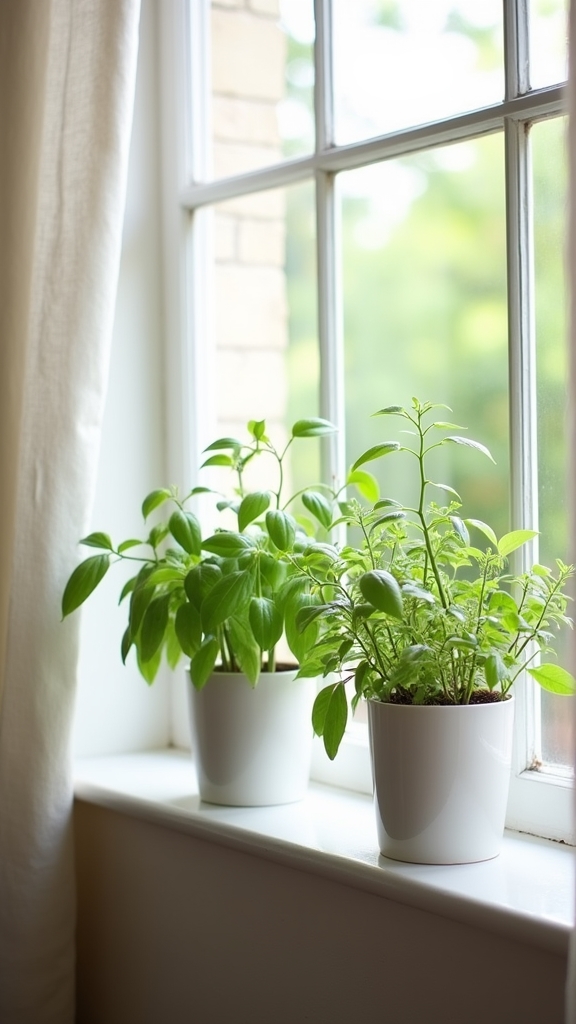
252, 745
441, 777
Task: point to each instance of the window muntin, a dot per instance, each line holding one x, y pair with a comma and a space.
535, 805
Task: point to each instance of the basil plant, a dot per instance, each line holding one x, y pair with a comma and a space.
424, 609
226, 599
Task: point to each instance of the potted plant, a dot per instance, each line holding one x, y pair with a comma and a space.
226, 601
432, 630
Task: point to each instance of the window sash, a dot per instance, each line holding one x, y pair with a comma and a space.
532, 806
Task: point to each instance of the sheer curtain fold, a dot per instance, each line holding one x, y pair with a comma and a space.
571, 276
67, 74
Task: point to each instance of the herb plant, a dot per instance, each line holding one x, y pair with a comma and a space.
223, 600
417, 613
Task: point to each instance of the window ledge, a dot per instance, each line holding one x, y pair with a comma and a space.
525, 894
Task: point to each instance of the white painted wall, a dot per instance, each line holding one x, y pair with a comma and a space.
115, 709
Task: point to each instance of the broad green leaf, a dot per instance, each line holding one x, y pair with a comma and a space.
172, 647
313, 428
281, 529
387, 503
227, 544
141, 597
246, 651
252, 506
443, 425
83, 581
335, 721
266, 622
200, 581
299, 642
126, 644
418, 593
98, 540
165, 574
555, 679
308, 614
157, 535
127, 544
469, 443
149, 669
388, 519
376, 452
320, 709
202, 664
391, 410
154, 500
494, 670
511, 541
365, 482
258, 429
224, 443
127, 588
501, 601
185, 529
218, 460
228, 596
381, 590
485, 529
188, 628
319, 506
274, 572
153, 627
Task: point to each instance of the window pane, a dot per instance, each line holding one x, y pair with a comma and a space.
425, 310
265, 319
550, 217
262, 83
400, 63
548, 42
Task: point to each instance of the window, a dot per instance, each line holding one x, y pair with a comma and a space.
371, 205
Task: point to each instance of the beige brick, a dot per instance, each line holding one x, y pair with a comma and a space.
225, 229
269, 204
271, 7
248, 55
251, 308
262, 242
235, 158
252, 121
251, 385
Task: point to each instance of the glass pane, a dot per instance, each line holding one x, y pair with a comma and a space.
425, 311
400, 63
548, 42
550, 218
265, 324
262, 83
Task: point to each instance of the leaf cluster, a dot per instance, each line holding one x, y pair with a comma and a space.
424, 609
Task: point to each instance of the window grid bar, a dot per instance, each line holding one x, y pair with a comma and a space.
540, 104
323, 76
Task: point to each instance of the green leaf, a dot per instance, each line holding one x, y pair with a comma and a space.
460, 529
511, 541
494, 670
365, 482
266, 622
202, 664
188, 626
299, 642
418, 593
381, 590
320, 709
376, 452
127, 588
141, 597
154, 500
173, 648
308, 614
98, 540
335, 720
165, 574
257, 428
127, 544
149, 669
153, 627
224, 443
199, 582
218, 460
485, 529
281, 529
185, 529
555, 679
126, 644
246, 651
228, 544
252, 506
469, 443
443, 425
388, 519
445, 487
83, 581
157, 535
319, 506
228, 596
313, 428
391, 410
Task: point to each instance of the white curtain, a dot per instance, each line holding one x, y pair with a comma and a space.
67, 73
571, 258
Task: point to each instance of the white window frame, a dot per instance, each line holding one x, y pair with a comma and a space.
540, 801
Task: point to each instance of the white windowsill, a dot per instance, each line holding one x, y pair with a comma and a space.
525, 894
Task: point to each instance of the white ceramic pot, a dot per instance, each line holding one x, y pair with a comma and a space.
441, 777
252, 745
